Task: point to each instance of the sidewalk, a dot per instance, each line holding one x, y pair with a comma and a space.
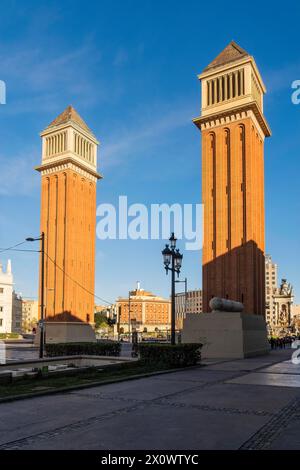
241, 404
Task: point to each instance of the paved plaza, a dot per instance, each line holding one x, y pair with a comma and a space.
21, 352
240, 404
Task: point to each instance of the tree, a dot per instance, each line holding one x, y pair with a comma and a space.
100, 320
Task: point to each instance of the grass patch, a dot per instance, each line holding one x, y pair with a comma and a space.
88, 376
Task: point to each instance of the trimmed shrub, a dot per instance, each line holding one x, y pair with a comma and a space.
180, 355
108, 348
9, 336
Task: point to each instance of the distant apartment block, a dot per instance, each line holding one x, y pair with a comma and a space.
190, 302
143, 312
30, 314
16, 313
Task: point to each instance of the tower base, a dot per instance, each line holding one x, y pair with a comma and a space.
231, 335
67, 332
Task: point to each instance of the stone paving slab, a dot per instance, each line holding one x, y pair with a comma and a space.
289, 439
24, 418
143, 389
154, 427
201, 374
274, 380
285, 367
240, 365
236, 397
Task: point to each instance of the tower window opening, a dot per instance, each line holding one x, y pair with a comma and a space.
208, 92
223, 87
228, 87
233, 85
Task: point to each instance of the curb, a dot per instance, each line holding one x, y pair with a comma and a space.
26, 396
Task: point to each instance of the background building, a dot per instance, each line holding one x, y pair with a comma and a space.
6, 296
283, 298
279, 302
144, 312
271, 270
191, 302
296, 318
30, 314
16, 313
110, 311
100, 309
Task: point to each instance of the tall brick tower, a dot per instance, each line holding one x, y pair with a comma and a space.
233, 130
68, 217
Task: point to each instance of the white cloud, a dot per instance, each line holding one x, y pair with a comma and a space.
280, 79
17, 175
37, 81
145, 134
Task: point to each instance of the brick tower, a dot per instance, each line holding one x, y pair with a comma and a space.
233, 130
68, 216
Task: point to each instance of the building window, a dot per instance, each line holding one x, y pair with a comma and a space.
1, 309
1, 322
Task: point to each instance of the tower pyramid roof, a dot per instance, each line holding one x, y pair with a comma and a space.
231, 53
69, 115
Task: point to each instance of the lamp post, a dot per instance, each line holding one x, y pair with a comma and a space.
173, 257
42, 240
129, 316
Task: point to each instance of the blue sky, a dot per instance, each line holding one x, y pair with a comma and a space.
130, 69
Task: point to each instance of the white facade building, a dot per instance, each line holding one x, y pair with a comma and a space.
6, 296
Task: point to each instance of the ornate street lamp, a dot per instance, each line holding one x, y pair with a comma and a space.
167, 256
172, 259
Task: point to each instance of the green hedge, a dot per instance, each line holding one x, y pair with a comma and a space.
109, 348
9, 335
180, 355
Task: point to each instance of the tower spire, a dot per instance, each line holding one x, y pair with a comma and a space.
69, 115
231, 53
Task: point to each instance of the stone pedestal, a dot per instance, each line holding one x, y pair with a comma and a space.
67, 332
233, 335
